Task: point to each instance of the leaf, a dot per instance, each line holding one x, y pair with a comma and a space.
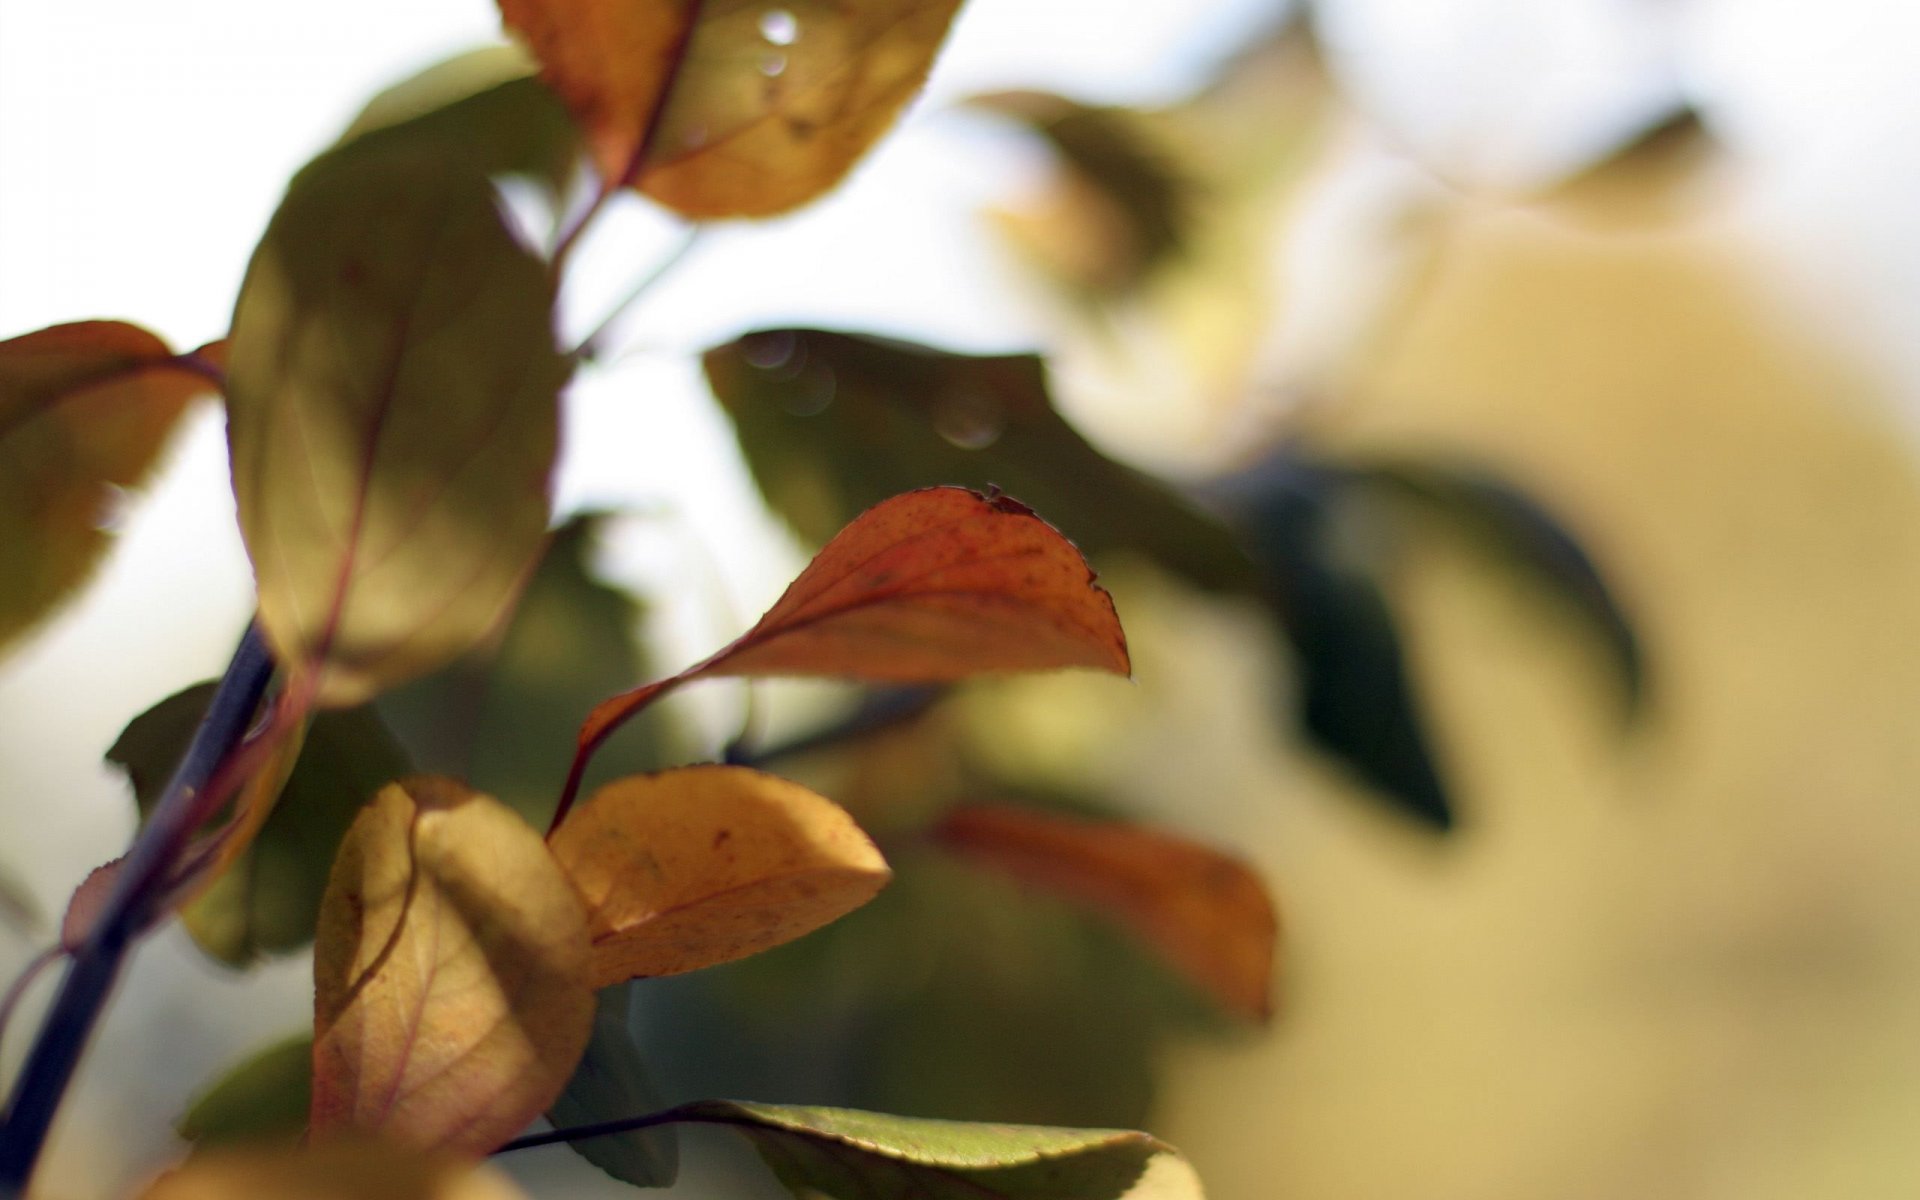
264, 1098
483, 108
503, 717
267, 899
730, 109
833, 423
707, 864
18, 909
846, 1154
450, 973
340, 1170
85, 409
1524, 533
1206, 913
611, 1084
936, 585
1356, 700
391, 417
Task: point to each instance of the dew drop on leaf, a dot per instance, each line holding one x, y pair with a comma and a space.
779, 27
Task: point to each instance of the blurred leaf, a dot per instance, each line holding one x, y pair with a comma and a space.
1206, 913
264, 1097
1146, 197
934, 585
85, 409
1526, 535
1356, 700
728, 109
267, 899
1645, 180
706, 864
504, 717
18, 908
450, 973
483, 109
338, 1170
391, 417
850, 1155
611, 1084
834, 423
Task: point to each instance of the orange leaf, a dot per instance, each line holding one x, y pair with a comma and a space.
930, 586
450, 973
732, 109
703, 865
84, 409
1208, 914
341, 1170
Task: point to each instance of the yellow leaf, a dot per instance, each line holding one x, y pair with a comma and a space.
703, 865
340, 1170
392, 417
727, 108
84, 409
450, 973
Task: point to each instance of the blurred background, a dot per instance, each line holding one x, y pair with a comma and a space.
1649, 263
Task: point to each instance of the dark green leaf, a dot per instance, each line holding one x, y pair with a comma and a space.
268, 900
392, 415
483, 108
611, 1084
504, 717
834, 423
846, 1154
264, 1097
1356, 700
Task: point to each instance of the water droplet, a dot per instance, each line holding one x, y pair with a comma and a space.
811, 392
695, 137
770, 350
773, 65
779, 27
110, 514
971, 420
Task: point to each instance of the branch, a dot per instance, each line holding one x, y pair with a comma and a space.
97, 962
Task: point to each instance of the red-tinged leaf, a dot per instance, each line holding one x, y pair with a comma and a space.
932, 586
450, 973
1207, 913
727, 108
707, 864
392, 416
343, 1170
84, 409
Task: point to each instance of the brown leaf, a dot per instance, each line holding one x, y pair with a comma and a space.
84, 409
707, 864
450, 973
931, 586
1207, 913
732, 109
339, 1170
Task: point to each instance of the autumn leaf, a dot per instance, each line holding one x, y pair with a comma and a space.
730, 109
936, 585
85, 409
833, 423
1203, 911
707, 864
264, 1098
846, 1154
450, 973
341, 1170
392, 417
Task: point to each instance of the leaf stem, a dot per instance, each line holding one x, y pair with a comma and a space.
97, 961
575, 1133
590, 346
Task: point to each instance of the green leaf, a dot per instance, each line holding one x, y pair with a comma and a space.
85, 409
18, 909
610, 1084
846, 1154
504, 717
269, 899
392, 417
483, 108
834, 423
265, 1097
